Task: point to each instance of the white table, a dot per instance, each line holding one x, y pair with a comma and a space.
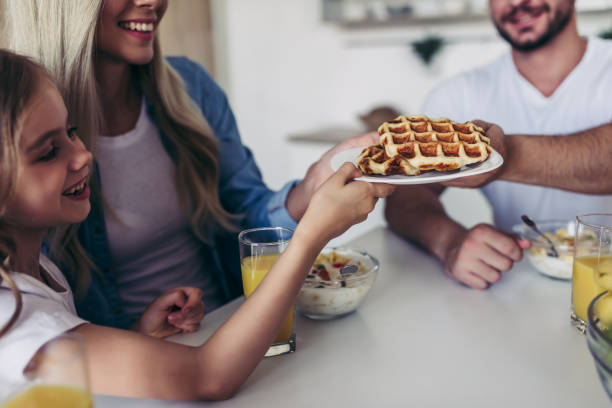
422, 340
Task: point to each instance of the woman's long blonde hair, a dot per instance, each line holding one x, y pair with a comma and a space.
19, 82
60, 34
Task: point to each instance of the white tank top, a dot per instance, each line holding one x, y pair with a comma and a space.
150, 239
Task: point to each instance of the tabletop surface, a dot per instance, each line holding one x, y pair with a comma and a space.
423, 340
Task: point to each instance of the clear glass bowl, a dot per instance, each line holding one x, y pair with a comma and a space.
599, 339
327, 299
557, 268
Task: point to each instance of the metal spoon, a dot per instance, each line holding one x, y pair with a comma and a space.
348, 269
551, 251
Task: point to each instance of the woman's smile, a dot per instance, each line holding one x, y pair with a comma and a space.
139, 28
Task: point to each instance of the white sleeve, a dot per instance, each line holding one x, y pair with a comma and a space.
41, 319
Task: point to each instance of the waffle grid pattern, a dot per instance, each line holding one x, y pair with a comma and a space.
411, 144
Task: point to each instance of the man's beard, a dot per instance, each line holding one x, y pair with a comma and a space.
559, 22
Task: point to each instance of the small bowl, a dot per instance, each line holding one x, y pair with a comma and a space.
557, 268
326, 295
599, 338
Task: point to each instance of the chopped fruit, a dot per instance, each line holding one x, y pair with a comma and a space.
603, 275
327, 292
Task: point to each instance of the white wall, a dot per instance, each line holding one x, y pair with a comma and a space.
287, 72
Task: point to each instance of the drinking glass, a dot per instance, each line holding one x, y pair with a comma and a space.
592, 253
57, 377
599, 338
259, 250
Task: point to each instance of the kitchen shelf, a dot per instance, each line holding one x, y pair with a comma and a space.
414, 20
408, 19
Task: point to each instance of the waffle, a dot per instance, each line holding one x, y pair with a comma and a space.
409, 145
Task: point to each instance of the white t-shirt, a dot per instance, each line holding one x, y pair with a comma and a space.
151, 243
45, 315
498, 93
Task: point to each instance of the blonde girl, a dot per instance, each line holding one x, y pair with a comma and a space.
173, 182
44, 184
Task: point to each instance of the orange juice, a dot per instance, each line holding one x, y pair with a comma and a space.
51, 396
254, 269
584, 287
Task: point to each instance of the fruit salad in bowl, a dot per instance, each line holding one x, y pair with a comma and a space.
561, 233
338, 283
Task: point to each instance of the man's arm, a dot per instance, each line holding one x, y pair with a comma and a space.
475, 257
416, 213
578, 162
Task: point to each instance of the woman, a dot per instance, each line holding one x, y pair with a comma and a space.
44, 183
174, 180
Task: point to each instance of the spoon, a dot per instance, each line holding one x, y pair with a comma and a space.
551, 251
348, 269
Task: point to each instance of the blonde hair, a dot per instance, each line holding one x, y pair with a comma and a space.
64, 43
19, 82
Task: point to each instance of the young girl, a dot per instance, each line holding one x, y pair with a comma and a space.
44, 177
172, 170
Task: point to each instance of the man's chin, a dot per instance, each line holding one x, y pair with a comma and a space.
530, 41
529, 45
526, 43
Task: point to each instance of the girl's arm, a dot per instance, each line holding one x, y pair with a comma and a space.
129, 364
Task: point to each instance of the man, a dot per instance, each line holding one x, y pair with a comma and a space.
553, 82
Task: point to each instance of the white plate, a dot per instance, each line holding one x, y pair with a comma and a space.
493, 161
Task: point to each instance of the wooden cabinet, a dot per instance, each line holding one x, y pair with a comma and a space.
186, 30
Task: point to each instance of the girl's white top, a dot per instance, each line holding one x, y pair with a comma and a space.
46, 313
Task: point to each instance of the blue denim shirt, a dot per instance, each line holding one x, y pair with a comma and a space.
241, 191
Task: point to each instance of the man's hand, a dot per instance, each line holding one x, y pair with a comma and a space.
176, 310
479, 256
499, 143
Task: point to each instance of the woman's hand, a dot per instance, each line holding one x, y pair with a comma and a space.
176, 310
319, 171
341, 202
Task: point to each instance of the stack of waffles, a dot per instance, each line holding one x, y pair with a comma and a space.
411, 144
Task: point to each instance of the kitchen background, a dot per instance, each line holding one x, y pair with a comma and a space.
300, 73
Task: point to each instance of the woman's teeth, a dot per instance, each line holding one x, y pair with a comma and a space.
142, 27
76, 190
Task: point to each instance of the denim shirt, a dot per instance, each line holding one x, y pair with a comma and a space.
241, 191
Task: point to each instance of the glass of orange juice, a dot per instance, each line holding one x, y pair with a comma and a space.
592, 271
259, 250
57, 377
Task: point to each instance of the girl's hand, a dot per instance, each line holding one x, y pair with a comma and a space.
177, 310
320, 171
340, 203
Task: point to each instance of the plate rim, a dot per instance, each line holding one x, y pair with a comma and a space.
339, 158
